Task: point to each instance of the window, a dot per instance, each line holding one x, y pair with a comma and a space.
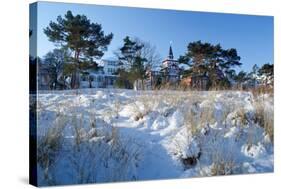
111, 70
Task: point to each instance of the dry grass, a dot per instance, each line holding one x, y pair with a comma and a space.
192, 123
220, 153
241, 119
142, 105
222, 168
86, 153
197, 117
49, 147
258, 91
264, 117
116, 107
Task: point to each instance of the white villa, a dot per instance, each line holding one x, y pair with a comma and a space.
104, 77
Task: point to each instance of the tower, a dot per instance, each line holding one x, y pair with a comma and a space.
171, 55
169, 61
170, 67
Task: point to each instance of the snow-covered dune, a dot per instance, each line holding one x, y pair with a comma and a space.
96, 135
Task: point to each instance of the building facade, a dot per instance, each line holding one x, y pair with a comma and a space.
170, 69
167, 73
104, 77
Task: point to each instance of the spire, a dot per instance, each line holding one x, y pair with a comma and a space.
171, 56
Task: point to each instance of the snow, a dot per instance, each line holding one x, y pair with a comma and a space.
159, 123
176, 119
107, 135
254, 151
156, 69
183, 66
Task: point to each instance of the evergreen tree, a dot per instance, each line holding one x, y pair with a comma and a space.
211, 60
138, 71
85, 39
196, 56
132, 62
241, 77
230, 59
252, 75
267, 70
123, 79
129, 52
255, 69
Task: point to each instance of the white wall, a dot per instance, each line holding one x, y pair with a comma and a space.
110, 67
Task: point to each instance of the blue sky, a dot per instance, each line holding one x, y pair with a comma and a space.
252, 36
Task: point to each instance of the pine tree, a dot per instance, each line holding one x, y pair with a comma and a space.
267, 70
131, 59
129, 52
211, 60
241, 77
85, 39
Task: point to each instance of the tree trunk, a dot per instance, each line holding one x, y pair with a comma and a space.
75, 80
90, 82
75, 76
